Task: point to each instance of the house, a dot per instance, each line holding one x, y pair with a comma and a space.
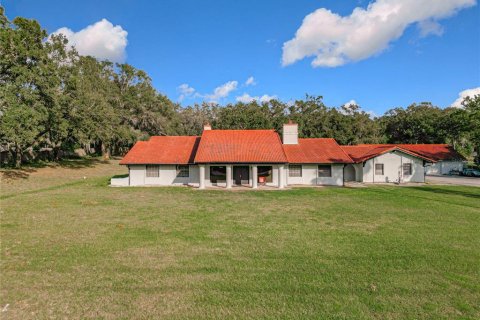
228, 158
399, 162
445, 156
254, 158
384, 163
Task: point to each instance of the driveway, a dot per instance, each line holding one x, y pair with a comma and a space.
454, 180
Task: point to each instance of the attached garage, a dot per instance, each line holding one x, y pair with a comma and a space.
446, 157
401, 159
444, 167
376, 163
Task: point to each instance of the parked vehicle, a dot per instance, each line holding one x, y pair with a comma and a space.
455, 173
471, 172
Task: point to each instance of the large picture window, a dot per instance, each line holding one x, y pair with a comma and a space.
153, 171
265, 173
183, 171
294, 170
324, 170
379, 169
407, 169
218, 173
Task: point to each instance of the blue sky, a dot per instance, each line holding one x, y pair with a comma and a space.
424, 52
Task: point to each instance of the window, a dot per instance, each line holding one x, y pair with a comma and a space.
294, 170
265, 173
153, 171
183, 171
324, 170
379, 169
218, 173
407, 169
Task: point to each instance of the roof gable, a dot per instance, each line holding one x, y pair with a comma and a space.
364, 152
436, 152
240, 146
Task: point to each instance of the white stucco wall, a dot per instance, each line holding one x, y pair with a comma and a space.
434, 168
136, 173
358, 172
444, 167
167, 176
392, 165
310, 176
119, 182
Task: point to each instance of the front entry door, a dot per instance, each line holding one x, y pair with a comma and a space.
240, 175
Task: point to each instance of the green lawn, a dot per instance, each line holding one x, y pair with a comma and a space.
75, 248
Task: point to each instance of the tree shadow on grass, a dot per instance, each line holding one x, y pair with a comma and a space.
81, 163
24, 173
448, 191
15, 174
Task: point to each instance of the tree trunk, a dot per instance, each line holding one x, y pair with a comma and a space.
105, 151
17, 156
56, 153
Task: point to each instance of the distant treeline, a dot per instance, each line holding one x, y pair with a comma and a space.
54, 102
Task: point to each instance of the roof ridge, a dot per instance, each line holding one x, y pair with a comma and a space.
214, 130
342, 149
413, 153
282, 144
173, 136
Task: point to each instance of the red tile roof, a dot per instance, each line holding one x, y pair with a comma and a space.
436, 152
240, 146
163, 150
316, 150
362, 153
265, 146
428, 152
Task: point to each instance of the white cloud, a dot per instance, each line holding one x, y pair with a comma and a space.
185, 91
101, 40
250, 82
348, 107
335, 40
465, 93
351, 106
246, 98
222, 91
351, 103
429, 27
371, 114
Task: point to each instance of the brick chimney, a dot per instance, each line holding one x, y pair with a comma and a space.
290, 133
207, 126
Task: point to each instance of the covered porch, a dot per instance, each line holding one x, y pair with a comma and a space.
237, 175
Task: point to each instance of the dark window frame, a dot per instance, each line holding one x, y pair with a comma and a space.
218, 177
382, 168
409, 168
152, 171
324, 173
297, 171
183, 171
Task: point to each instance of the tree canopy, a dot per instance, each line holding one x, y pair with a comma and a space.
54, 101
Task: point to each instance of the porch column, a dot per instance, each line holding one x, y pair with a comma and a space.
254, 176
202, 176
229, 176
281, 176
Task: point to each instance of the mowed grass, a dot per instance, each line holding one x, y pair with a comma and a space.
76, 248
